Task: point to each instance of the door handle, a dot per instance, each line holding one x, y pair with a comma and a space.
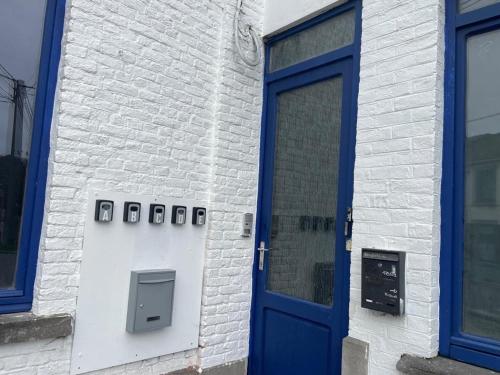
262, 249
348, 223
348, 229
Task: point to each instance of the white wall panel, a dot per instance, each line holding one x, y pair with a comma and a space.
110, 252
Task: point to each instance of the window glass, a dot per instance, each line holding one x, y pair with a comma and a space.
481, 277
21, 29
301, 262
325, 37
469, 5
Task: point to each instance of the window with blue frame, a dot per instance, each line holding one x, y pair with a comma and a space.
470, 259
30, 36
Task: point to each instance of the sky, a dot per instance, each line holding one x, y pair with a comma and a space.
21, 29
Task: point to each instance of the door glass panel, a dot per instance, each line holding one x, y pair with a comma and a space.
301, 258
481, 277
465, 6
325, 37
21, 29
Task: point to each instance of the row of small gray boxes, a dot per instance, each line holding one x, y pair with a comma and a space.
151, 300
132, 213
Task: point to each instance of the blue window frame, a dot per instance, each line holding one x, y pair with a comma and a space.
20, 297
456, 341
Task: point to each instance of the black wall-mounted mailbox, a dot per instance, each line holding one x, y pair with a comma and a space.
383, 281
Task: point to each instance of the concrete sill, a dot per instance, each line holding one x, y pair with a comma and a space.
438, 366
233, 368
24, 327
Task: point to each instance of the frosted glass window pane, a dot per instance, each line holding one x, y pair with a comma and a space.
325, 37
465, 6
481, 279
301, 259
21, 29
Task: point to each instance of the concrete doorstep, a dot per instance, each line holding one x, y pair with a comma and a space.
412, 365
234, 368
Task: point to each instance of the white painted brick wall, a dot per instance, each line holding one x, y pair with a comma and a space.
47, 357
398, 170
152, 99
228, 269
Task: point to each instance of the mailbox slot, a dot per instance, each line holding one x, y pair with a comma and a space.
151, 300
383, 281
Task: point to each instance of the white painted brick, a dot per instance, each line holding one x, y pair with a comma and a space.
398, 162
153, 99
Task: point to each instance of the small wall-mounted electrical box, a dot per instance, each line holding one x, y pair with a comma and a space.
199, 216
179, 214
247, 225
103, 211
383, 281
156, 213
151, 300
131, 212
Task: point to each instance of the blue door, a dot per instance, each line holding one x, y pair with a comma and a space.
301, 277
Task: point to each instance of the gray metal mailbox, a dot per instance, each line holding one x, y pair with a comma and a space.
151, 300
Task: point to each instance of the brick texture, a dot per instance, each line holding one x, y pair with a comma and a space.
152, 98
398, 171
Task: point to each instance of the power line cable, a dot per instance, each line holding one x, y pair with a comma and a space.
6, 77
28, 112
5, 91
6, 71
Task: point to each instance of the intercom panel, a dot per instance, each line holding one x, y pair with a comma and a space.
247, 225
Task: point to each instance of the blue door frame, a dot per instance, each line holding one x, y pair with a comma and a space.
20, 298
453, 342
345, 62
